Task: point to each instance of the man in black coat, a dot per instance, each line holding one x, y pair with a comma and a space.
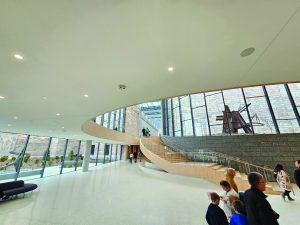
297, 173
259, 210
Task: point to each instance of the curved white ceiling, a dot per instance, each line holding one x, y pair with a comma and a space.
72, 48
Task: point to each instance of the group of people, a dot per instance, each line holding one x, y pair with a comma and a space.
233, 211
146, 132
134, 155
250, 207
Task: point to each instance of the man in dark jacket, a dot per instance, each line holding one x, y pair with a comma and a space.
215, 215
297, 173
259, 210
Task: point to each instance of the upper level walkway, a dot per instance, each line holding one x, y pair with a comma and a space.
122, 194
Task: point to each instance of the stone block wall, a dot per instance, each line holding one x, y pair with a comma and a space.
264, 149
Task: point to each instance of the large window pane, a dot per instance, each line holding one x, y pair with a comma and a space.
215, 107
199, 113
187, 125
170, 116
176, 115
259, 111
11, 146
55, 157
295, 91
33, 159
234, 100
282, 108
70, 159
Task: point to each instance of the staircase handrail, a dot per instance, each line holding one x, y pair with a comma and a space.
231, 161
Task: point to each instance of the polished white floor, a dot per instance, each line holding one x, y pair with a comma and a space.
122, 194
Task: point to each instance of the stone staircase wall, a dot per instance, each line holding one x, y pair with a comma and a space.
264, 149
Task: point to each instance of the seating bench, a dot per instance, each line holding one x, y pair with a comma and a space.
12, 188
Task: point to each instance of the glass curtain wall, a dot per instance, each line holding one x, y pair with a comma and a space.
186, 115
215, 107
28, 157
113, 120
55, 156
11, 148
176, 116
267, 109
71, 156
199, 114
32, 163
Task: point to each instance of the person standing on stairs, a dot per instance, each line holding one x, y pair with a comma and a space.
258, 209
283, 181
297, 173
229, 193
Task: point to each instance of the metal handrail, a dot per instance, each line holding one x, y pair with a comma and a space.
210, 156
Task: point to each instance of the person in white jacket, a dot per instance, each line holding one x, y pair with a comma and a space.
229, 193
283, 181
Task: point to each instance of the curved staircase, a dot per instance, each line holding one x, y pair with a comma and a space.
175, 163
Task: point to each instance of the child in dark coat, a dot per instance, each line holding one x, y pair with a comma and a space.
215, 215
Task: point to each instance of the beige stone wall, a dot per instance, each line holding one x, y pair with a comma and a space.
132, 121
135, 122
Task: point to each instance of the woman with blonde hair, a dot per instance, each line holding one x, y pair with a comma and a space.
230, 174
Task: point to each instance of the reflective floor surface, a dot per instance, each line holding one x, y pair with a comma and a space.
122, 194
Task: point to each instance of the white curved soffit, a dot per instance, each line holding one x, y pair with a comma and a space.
95, 130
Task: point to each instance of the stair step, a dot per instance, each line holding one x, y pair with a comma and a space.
217, 167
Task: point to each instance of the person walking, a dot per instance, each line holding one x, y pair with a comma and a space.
258, 209
135, 154
283, 181
140, 155
130, 157
297, 173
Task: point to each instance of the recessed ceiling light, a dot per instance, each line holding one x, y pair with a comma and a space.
247, 52
18, 56
86, 95
62, 127
170, 69
15, 117
2, 97
58, 114
9, 125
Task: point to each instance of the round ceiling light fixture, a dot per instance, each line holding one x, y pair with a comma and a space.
86, 95
246, 52
170, 69
2, 97
58, 114
15, 117
122, 86
17, 56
